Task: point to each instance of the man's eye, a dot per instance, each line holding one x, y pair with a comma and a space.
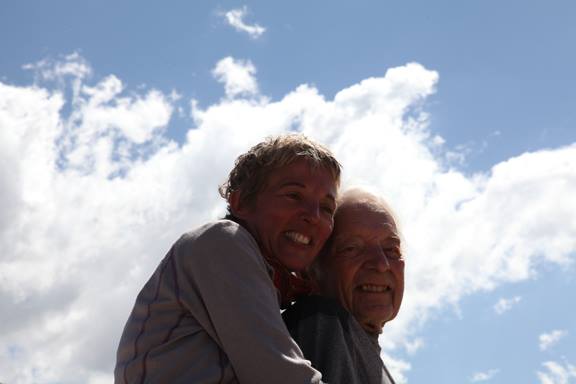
393, 253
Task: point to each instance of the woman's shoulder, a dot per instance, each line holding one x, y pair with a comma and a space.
218, 233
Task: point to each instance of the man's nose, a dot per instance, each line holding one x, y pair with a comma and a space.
377, 259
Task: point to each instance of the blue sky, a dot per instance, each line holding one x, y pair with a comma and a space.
157, 99
504, 67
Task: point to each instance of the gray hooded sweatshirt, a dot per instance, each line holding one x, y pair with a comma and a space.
210, 314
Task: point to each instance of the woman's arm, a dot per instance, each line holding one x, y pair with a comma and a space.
224, 268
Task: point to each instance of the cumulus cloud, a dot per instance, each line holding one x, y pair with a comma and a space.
504, 305
557, 373
93, 193
483, 376
235, 18
237, 76
547, 340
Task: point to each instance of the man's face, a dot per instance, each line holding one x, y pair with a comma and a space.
365, 267
293, 215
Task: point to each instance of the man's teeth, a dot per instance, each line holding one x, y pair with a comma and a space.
374, 288
298, 238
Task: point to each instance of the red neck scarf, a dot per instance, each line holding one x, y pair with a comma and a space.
291, 285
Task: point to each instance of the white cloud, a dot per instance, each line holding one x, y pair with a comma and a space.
547, 340
136, 118
398, 368
91, 199
235, 18
504, 305
413, 346
237, 77
484, 376
67, 66
557, 373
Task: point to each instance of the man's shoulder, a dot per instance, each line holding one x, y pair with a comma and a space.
314, 306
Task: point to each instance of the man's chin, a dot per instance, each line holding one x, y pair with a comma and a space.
372, 328
374, 322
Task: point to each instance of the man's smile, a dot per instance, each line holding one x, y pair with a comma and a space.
374, 288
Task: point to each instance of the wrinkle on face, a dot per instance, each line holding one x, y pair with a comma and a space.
364, 268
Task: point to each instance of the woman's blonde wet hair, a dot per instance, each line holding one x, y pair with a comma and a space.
252, 169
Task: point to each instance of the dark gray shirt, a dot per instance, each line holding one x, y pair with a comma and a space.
335, 343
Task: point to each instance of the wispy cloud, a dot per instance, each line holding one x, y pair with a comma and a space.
397, 367
484, 376
237, 76
413, 346
72, 65
547, 340
504, 305
557, 373
235, 18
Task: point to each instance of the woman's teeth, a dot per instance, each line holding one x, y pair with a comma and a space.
298, 238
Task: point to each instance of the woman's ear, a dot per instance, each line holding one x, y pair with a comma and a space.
237, 206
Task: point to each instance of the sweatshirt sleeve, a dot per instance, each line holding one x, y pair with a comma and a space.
223, 268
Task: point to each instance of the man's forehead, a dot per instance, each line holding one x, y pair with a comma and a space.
356, 209
363, 215
352, 228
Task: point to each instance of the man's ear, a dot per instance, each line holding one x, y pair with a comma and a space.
238, 207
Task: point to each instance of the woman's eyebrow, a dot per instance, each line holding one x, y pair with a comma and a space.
290, 183
299, 184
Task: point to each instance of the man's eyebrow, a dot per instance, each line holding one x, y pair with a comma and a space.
341, 237
394, 240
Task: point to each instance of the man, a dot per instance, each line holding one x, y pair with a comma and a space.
210, 312
361, 272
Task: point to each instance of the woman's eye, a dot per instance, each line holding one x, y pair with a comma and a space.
293, 196
348, 248
328, 209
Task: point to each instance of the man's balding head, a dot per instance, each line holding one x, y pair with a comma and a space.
359, 198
